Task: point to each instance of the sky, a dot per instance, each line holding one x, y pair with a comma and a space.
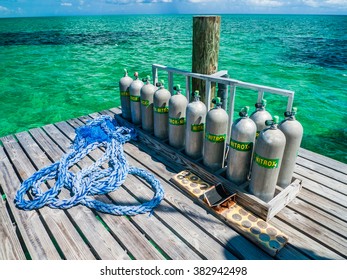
29, 8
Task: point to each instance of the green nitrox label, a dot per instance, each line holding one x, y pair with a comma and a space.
216, 138
177, 121
257, 134
124, 93
161, 110
266, 162
134, 98
145, 102
197, 127
241, 146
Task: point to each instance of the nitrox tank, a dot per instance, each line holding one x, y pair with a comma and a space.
242, 141
260, 115
161, 111
215, 136
147, 92
293, 132
195, 127
177, 118
267, 161
124, 84
135, 105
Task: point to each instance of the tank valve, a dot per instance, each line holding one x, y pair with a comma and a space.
160, 83
244, 111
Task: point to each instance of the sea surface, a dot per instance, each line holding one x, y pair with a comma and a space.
56, 68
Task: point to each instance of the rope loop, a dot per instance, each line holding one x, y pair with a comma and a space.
92, 180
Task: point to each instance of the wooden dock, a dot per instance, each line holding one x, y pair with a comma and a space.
315, 221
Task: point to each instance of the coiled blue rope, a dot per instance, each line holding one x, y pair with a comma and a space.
93, 180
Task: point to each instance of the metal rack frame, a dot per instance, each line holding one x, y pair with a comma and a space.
218, 78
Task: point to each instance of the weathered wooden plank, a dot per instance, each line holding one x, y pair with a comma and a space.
322, 179
10, 247
283, 197
291, 253
319, 189
320, 217
323, 160
315, 231
300, 241
99, 239
68, 239
323, 204
35, 236
167, 240
321, 169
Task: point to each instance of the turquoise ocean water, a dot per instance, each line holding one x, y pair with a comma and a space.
56, 68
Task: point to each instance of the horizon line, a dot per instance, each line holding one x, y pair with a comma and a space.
183, 14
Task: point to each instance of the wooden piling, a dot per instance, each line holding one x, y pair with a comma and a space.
206, 34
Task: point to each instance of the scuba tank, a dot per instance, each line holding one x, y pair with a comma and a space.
241, 146
195, 126
161, 111
260, 115
135, 105
177, 118
124, 84
293, 132
147, 92
215, 136
267, 161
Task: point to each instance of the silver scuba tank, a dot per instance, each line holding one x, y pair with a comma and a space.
135, 104
293, 132
177, 118
124, 84
260, 115
241, 146
215, 136
267, 160
161, 111
195, 127
147, 93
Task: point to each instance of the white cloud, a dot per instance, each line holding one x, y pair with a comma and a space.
124, 2
311, 3
200, 1
342, 3
4, 9
266, 3
66, 4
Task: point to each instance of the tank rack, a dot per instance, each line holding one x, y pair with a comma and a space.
264, 210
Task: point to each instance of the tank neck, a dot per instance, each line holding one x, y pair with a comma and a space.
290, 116
244, 112
196, 96
260, 106
272, 123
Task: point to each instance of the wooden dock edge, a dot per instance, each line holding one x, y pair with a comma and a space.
264, 210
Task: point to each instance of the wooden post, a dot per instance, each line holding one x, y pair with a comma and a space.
206, 33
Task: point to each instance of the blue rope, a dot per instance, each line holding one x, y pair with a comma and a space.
93, 180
